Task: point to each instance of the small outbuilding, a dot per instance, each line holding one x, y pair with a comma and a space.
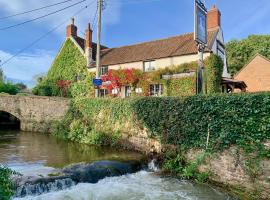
256, 74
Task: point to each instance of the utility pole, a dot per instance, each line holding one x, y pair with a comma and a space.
100, 2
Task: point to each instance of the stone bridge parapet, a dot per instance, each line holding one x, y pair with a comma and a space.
35, 113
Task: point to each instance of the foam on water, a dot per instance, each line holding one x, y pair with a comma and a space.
142, 185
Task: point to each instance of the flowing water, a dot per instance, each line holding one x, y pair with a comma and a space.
41, 155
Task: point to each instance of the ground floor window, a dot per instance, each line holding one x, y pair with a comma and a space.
103, 93
156, 90
128, 91
104, 70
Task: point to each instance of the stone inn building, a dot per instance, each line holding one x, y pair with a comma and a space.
150, 56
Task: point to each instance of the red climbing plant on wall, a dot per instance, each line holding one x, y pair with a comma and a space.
63, 86
115, 79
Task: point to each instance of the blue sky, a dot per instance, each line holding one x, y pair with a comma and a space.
124, 22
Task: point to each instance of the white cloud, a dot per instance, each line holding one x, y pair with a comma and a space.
111, 13
26, 66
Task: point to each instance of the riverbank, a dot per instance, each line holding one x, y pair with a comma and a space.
233, 127
40, 158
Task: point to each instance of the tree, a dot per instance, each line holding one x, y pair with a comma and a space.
239, 52
21, 86
1, 75
8, 88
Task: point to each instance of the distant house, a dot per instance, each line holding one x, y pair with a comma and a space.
256, 74
152, 55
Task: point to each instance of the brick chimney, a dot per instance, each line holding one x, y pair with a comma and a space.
71, 29
213, 18
88, 45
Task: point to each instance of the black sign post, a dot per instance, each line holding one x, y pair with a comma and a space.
200, 36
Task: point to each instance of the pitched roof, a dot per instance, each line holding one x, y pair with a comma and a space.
250, 61
173, 46
81, 42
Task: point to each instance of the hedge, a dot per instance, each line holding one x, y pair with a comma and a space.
241, 119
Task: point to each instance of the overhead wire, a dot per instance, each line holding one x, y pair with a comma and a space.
43, 36
94, 22
43, 16
34, 10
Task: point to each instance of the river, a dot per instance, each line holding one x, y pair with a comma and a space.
41, 154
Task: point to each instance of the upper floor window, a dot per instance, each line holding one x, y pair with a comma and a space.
104, 70
156, 90
149, 66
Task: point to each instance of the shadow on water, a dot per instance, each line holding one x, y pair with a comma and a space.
8, 121
23, 147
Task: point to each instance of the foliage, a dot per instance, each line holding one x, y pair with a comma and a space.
21, 86
181, 87
69, 65
186, 170
8, 88
92, 121
83, 88
214, 70
239, 52
6, 187
241, 119
63, 86
1, 75
185, 86
44, 88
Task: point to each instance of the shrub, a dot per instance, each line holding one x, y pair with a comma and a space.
8, 88
6, 187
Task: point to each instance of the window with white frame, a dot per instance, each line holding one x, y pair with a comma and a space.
104, 70
149, 66
156, 90
103, 93
128, 90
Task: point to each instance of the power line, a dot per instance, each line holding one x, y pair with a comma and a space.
31, 20
115, 2
34, 10
43, 36
94, 20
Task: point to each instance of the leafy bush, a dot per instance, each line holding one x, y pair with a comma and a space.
6, 187
187, 170
8, 88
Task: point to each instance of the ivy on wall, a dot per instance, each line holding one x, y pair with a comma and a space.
69, 65
240, 119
